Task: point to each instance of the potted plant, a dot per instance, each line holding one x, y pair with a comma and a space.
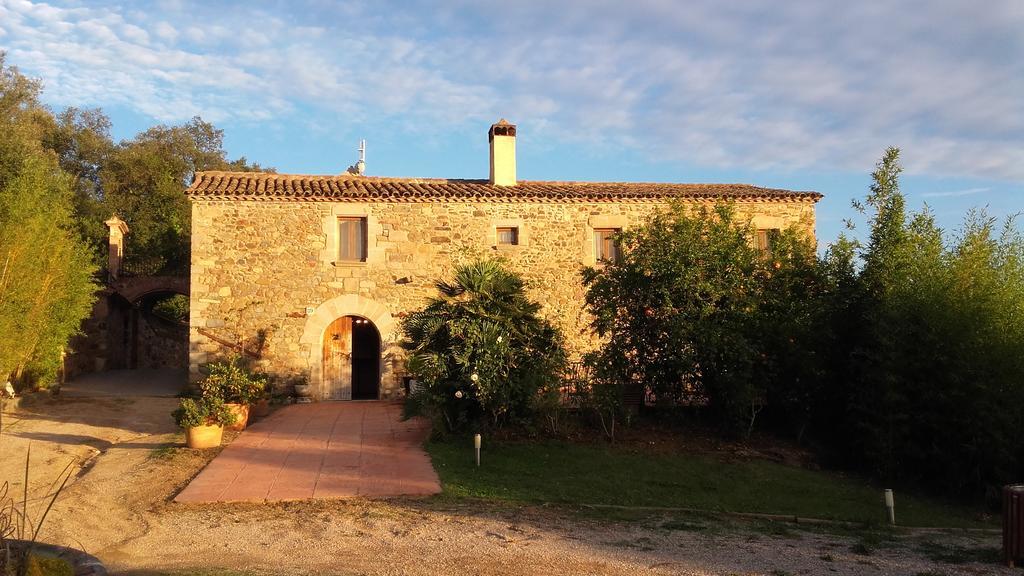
235, 386
303, 391
203, 419
261, 407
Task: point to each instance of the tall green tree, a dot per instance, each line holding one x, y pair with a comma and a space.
81, 140
795, 334
930, 374
143, 181
46, 269
876, 402
693, 312
61, 176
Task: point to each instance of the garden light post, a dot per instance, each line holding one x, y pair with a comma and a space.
891, 505
474, 377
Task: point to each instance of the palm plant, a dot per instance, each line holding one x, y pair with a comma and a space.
480, 348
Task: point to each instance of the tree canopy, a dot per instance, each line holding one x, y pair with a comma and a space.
932, 373
141, 179
61, 177
902, 355
688, 307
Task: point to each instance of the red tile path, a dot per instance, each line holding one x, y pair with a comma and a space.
323, 450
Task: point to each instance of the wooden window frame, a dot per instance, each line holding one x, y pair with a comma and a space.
600, 242
513, 230
765, 238
362, 230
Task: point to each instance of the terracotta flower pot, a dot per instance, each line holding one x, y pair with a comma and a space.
261, 409
204, 436
241, 412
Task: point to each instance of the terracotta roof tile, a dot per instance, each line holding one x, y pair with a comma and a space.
347, 187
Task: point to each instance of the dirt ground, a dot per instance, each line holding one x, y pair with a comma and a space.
130, 464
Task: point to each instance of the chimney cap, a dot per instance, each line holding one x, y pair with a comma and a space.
501, 128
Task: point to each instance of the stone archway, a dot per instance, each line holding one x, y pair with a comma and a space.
350, 305
352, 360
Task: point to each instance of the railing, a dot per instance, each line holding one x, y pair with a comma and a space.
577, 381
155, 266
575, 384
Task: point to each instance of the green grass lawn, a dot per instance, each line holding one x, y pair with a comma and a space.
574, 474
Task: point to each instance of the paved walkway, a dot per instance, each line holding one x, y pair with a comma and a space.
166, 382
322, 450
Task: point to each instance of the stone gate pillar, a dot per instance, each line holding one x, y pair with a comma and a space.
115, 246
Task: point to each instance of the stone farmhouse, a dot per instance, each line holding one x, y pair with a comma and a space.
311, 274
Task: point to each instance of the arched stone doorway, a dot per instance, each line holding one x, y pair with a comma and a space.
315, 333
351, 359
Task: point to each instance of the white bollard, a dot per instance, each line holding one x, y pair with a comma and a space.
891, 505
476, 446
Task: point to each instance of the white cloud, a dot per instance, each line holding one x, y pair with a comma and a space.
165, 31
195, 34
955, 193
133, 33
754, 84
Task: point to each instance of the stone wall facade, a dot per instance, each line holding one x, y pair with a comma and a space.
271, 266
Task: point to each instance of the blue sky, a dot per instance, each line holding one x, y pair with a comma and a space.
799, 94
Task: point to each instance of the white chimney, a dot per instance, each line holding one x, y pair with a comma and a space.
503, 153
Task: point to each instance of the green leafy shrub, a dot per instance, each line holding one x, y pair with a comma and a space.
173, 308
233, 383
203, 411
695, 314
480, 350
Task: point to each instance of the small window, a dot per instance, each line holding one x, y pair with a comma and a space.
352, 239
606, 248
766, 238
508, 236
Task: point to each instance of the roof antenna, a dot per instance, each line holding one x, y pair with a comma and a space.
360, 167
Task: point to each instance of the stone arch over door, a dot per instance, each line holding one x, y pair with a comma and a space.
351, 305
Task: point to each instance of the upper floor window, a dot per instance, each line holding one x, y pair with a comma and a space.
352, 239
766, 238
508, 236
606, 248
